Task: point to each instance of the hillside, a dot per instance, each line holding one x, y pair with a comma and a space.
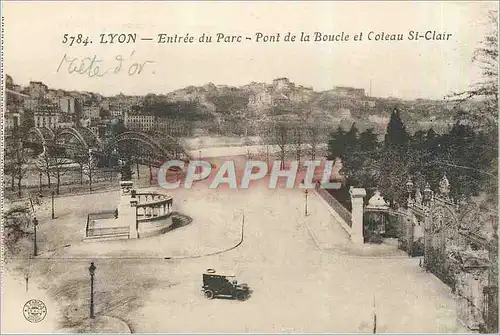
239, 109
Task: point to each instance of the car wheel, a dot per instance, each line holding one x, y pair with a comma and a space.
209, 294
241, 296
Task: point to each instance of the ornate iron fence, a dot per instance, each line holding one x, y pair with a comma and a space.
490, 310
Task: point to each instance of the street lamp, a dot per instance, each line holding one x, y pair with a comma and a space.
306, 192
409, 188
409, 185
40, 182
35, 250
427, 193
92, 272
52, 196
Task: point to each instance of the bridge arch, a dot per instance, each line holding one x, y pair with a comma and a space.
90, 137
66, 135
40, 138
154, 151
43, 135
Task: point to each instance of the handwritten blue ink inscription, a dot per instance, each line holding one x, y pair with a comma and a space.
93, 66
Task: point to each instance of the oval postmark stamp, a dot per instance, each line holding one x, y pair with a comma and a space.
34, 310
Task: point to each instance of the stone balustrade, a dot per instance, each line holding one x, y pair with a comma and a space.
152, 206
150, 197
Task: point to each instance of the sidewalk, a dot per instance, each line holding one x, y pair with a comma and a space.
14, 296
330, 237
101, 325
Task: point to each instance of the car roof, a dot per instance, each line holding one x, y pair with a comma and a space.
219, 274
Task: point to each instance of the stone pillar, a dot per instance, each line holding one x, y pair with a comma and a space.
133, 233
357, 195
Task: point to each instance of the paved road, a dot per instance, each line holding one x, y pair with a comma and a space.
297, 287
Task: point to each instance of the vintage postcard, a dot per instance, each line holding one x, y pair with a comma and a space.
249, 167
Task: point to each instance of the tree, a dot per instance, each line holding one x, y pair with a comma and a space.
266, 142
247, 143
313, 136
60, 165
16, 222
336, 148
360, 159
16, 158
485, 91
368, 140
393, 173
297, 139
396, 135
43, 165
90, 167
482, 107
281, 134
53, 163
174, 146
117, 127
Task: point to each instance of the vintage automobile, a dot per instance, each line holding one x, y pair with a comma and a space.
223, 285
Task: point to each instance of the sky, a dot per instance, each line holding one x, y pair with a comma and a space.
34, 49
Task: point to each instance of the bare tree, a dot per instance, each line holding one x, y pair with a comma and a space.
297, 139
60, 166
43, 165
247, 142
313, 139
316, 135
81, 161
486, 90
281, 135
266, 142
16, 160
10, 162
53, 164
90, 167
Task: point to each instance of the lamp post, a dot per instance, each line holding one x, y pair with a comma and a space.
92, 272
427, 194
40, 182
409, 188
306, 192
35, 250
52, 197
199, 160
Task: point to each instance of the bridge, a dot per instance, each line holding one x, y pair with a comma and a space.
81, 141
